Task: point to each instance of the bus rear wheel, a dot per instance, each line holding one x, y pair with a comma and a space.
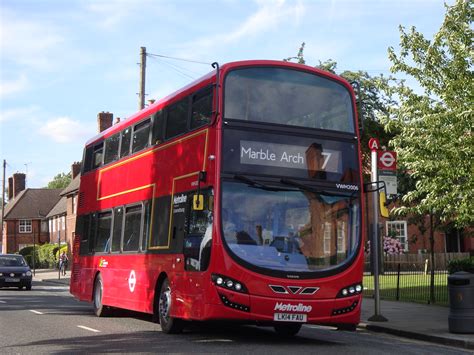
287, 329
99, 309
169, 325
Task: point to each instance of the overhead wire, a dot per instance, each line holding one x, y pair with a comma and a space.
175, 58
180, 72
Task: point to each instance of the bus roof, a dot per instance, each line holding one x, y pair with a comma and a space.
207, 79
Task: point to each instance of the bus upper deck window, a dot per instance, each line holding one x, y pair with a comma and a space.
177, 120
112, 148
87, 166
158, 127
202, 108
97, 156
125, 144
141, 135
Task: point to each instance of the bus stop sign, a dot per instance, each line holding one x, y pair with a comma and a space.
387, 161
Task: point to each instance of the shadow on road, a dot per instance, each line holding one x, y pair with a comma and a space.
199, 338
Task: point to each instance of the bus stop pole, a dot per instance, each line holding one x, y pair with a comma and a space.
375, 247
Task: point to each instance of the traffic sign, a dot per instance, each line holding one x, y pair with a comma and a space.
374, 144
387, 161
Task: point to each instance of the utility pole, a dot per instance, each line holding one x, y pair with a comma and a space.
141, 93
4, 246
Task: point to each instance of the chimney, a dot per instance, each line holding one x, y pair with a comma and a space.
104, 120
19, 183
10, 188
75, 169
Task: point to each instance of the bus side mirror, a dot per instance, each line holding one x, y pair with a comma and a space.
198, 202
383, 204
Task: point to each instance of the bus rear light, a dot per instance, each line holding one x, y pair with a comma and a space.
228, 283
351, 290
339, 311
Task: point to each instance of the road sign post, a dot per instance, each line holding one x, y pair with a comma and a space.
374, 146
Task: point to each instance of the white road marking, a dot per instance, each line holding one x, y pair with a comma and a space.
89, 329
36, 312
65, 288
2, 301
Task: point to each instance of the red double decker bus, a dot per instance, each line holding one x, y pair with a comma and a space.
239, 197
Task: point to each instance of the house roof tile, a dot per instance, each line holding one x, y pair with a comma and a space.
72, 187
32, 204
59, 208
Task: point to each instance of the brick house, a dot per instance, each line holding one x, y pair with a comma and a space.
56, 219
24, 214
70, 194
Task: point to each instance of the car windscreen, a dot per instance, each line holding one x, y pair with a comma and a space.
12, 261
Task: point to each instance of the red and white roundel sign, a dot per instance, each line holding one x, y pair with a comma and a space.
374, 144
387, 161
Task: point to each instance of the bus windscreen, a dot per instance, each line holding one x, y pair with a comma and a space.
288, 97
289, 230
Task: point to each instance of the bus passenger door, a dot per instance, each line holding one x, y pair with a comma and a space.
197, 247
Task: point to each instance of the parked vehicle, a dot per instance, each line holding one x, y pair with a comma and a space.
14, 271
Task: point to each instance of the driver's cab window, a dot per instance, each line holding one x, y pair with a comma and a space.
198, 231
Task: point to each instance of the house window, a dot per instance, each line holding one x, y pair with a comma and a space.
25, 226
398, 230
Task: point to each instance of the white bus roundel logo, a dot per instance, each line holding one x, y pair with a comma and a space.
132, 281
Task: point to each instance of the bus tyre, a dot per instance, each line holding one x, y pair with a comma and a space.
287, 329
99, 309
169, 325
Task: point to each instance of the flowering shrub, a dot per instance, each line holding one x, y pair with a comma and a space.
391, 246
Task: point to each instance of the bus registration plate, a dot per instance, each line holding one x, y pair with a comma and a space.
289, 317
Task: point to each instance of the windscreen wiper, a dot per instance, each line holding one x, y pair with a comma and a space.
256, 184
307, 188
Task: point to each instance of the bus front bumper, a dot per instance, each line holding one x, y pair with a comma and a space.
268, 309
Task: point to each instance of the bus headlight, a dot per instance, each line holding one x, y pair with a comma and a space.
351, 290
228, 283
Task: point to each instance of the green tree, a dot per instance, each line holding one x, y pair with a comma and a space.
60, 181
435, 142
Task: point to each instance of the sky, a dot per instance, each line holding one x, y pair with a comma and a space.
63, 62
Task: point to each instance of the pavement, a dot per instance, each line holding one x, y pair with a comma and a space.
410, 320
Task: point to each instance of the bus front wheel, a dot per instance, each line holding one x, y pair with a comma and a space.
168, 324
287, 329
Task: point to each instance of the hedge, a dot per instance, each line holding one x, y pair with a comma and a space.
466, 264
46, 255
